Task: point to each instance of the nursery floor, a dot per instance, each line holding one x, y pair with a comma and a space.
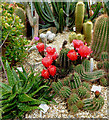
60, 110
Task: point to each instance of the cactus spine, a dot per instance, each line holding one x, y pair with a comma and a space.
88, 31
79, 16
100, 36
61, 20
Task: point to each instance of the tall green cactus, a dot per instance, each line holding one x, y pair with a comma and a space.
22, 15
79, 16
61, 20
100, 36
87, 29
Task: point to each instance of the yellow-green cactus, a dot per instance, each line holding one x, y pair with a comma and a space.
79, 16
72, 36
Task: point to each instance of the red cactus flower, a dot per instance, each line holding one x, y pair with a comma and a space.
84, 51
50, 50
40, 47
77, 43
97, 93
45, 74
72, 55
52, 70
46, 61
53, 57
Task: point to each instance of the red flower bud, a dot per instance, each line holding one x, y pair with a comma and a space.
52, 70
46, 61
50, 50
40, 47
72, 55
97, 93
45, 74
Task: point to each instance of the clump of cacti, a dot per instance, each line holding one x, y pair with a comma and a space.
88, 76
87, 29
94, 104
79, 16
73, 36
104, 64
100, 36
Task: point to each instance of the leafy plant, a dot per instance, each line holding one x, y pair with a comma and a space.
13, 48
24, 93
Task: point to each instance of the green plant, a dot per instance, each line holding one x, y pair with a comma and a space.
86, 85
50, 13
13, 46
80, 104
79, 16
103, 81
24, 93
65, 92
93, 104
82, 92
89, 76
74, 109
100, 36
22, 15
73, 36
61, 20
88, 31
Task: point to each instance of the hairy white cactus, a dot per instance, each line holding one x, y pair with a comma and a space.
51, 37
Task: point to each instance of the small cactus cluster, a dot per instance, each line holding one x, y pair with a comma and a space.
100, 36
73, 36
87, 27
104, 64
93, 104
72, 89
86, 75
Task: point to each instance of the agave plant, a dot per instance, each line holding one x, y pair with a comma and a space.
23, 93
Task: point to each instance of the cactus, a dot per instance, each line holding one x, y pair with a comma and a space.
82, 92
57, 86
74, 109
87, 29
100, 65
73, 36
75, 81
73, 98
103, 81
79, 16
93, 104
86, 85
100, 36
22, 15
80, 104
86, 64
53, 14
65, 92
89, 76
61, 20
104, 56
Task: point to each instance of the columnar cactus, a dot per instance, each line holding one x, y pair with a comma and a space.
100, 36
61, 20
75, 81
79, 16
86, 64
88, 31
